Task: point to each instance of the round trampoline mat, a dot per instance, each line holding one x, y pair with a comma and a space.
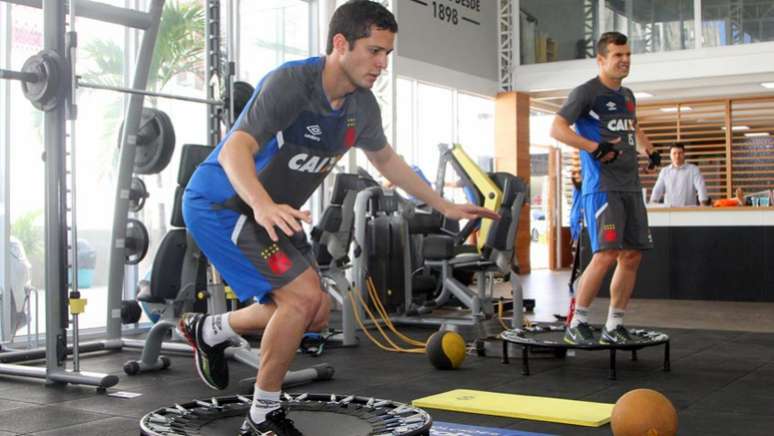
314, 414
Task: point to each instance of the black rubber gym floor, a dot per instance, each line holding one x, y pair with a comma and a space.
721, 384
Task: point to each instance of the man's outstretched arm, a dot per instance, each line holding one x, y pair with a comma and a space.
391, 166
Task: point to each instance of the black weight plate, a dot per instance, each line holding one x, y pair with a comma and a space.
136, 243
155, 142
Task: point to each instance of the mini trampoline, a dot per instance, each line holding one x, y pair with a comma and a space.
551, 338
313, 414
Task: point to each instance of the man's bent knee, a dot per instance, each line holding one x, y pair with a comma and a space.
302, 295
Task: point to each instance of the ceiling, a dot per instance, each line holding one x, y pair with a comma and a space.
672, 90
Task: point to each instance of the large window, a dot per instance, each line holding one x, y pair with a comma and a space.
178, 68
547, 35
435, 124
101, 59
557, 30
732, 22
429, 115
475, 128
271, 32
405, 118
652, 25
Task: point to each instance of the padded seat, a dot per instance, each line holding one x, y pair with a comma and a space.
171, 276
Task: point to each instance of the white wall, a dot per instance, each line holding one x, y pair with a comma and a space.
430, 73
459, 53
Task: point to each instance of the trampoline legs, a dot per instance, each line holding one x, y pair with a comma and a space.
525, 360
612, 375
634, 355
667, 365
505, 352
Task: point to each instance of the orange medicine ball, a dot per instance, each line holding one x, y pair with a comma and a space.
644, 412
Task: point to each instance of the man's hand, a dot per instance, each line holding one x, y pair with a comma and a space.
654, 160
280, 215
468, 211
606, 152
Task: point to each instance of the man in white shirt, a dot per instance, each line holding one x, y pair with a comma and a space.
682, 182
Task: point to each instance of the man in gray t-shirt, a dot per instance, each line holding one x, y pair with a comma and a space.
606, 133
681, 182
242, 204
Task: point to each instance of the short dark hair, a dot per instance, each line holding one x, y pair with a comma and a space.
677, 145
607, 38
355, 18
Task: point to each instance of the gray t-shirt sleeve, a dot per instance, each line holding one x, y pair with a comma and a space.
577, 104
631, 95
372, 137
279, 101
634, 102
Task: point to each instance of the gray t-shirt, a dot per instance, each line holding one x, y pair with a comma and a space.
291, 99
603, 114
300, 136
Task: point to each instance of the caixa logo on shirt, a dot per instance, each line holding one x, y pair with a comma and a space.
305, 163
620, 125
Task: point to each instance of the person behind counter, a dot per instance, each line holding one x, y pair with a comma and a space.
682, 182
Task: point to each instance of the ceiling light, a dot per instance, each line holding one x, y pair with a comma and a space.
642, 95
674, 109
769, 85
737, 128
753, 134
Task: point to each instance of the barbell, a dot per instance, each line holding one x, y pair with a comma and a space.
43, 73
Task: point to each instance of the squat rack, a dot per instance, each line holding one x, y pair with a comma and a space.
58, 106
51, 91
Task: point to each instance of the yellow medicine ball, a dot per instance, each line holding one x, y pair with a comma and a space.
446, 350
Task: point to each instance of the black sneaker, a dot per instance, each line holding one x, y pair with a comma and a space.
276, 424
618, 336
210, 361
579, 335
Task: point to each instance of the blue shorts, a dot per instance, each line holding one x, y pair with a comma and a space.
241, 250
616, 221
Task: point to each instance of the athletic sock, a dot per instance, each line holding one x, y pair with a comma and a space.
217, 329
581, 315
263, 403
614, 318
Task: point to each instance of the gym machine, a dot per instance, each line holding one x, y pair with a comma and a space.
382, 251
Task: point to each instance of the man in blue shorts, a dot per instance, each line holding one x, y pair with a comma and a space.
242, 203
607, 135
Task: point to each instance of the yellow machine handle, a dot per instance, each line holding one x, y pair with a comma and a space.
493, 196
77, 306
230, 295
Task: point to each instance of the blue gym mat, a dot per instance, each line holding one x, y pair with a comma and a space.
451, 429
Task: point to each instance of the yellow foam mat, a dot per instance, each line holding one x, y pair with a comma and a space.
520, 406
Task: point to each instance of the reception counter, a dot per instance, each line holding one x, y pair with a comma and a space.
705, 253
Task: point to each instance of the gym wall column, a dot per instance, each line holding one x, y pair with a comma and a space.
512, 156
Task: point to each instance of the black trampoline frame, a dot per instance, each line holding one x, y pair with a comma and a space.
387, 418
518, 337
